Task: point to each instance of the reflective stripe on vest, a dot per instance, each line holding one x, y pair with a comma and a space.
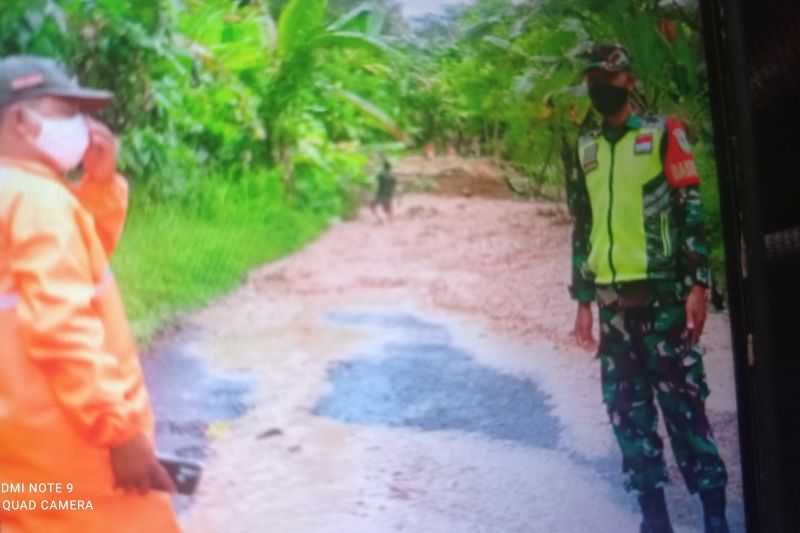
615, 178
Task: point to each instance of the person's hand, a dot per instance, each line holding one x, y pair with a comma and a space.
695, 313
100, 161
583, 327
136, 468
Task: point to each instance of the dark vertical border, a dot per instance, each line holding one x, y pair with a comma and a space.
745, 262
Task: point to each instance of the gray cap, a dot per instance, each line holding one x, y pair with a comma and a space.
26, 77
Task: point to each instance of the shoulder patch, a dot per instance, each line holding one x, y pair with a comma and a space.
679, 164
589, 156
653, 121
587, 136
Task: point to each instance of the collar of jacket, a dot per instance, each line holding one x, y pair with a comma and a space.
33, 167
634, 122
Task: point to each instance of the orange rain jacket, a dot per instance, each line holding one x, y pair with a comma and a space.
71, 385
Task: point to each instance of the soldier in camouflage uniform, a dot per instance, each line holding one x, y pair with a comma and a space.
640, 252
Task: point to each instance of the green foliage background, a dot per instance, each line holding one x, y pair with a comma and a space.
247, 126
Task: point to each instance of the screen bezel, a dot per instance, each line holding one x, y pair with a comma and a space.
726, 57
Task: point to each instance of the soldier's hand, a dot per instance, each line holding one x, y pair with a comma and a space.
100, 161
583, 327
695, 313
136, 468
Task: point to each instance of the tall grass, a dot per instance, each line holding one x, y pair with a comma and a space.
177, 257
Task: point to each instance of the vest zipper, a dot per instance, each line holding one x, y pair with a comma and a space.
610, 210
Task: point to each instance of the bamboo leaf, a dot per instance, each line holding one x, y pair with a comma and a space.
349, 39
357, 19
497, 41
300, 20
381, 119
523, 84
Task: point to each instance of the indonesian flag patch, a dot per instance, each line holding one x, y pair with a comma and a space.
643, 144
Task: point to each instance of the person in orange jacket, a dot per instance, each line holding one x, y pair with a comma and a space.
76, 424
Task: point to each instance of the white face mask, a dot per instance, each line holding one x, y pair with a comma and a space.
65, 140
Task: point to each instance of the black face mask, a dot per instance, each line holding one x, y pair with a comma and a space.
608, 99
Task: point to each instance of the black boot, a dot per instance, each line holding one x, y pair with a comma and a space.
714, 510
654, 512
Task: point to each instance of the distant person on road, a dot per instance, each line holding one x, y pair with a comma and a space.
384, 195
74, 406
640, 252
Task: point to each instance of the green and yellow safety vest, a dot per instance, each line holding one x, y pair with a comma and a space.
632, 232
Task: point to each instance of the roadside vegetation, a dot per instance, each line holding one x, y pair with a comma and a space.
249, 126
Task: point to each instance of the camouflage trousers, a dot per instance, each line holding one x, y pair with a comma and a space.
645, 358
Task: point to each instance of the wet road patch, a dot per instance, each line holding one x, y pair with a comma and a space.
188, 399
415, 376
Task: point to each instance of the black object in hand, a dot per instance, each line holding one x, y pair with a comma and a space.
184, 473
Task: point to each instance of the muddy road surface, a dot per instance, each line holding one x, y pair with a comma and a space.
412, 376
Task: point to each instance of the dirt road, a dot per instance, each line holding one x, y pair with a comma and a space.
412, 376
